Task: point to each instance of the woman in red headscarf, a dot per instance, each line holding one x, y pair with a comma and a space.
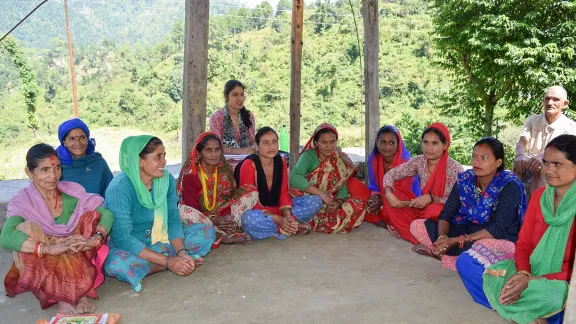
323, 170
208, 192
437, 173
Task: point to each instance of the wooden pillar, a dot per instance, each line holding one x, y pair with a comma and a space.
296, 79
570, 314
195, 73
371, 74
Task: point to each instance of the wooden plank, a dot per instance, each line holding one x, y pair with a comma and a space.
296, 79
195, 73
371, 74
570, 314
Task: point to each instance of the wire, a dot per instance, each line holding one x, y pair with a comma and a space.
21, 21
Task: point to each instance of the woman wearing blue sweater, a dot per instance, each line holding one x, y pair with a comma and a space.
147, 235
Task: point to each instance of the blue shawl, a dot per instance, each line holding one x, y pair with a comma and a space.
478, 209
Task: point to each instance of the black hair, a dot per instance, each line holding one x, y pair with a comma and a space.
435, 131
496, 146
152, 144
262, 131
38, 153
206, 139
244, 113
323, 131
565, 144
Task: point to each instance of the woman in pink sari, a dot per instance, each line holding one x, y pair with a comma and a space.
56, 230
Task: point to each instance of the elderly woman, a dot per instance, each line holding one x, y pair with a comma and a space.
324, 171
486, 206
56, 230
80, 163
532, 287
275, 214
208, 193
436, 172
389, 152
147, 236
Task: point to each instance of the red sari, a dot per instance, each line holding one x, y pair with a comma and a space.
331, 175
439, 184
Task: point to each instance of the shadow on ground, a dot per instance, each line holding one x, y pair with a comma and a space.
362, 277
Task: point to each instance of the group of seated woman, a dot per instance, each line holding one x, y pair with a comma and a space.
75, 223
512, 256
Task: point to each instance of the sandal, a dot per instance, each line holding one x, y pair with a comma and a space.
424, 250
393, 231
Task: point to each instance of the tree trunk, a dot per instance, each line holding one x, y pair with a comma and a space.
489, 114
296, 80
371, 74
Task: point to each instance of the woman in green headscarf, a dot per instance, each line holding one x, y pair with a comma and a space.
148, 236
533, 287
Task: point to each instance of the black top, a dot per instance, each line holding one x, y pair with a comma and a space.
503, 223
270, 198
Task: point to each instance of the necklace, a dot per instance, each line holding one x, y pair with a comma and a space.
203, 179
428, 167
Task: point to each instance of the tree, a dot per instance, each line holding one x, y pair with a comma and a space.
28, 76
261, 14
283, 6
504, 52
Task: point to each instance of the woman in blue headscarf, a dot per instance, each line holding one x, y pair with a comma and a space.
389, 152
80, 162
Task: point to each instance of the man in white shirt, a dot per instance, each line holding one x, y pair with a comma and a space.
538, 131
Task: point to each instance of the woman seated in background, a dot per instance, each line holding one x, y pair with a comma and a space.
275, 214
533, 287
486, 206
389, 152
234, 123
208, 193
436, 172
80, 163
147, 235
56, 230
324, 171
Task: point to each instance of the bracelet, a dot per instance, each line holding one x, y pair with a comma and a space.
461, 241
229, 149
443, 237
524, 272
97, 242
182, 249
166, 264
431, 198
101, 235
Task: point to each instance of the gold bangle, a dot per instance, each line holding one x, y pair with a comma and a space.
524, 272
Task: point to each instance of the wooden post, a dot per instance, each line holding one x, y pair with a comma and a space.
371, 82
195, 73
296, 79
71, 57
570, 314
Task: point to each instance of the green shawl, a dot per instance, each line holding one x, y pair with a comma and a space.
156, 199
542, 298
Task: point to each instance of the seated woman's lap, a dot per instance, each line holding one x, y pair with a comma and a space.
130, 268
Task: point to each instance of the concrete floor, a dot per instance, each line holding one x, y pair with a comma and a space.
362, 277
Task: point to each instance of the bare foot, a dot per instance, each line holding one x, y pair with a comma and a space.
85, 305
424, 250
198, 262
237, 239
66, 309
304, 228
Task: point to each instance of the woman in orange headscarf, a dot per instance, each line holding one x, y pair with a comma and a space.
323, 170
437, 173
208, 192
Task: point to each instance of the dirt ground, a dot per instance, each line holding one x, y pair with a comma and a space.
362, 277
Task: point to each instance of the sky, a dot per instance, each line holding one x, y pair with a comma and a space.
253, 3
